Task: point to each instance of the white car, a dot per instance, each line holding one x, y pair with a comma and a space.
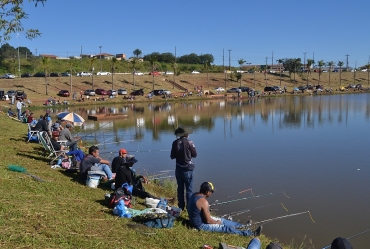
168, 72
239, 71
138, 73
219, 89
89, 92
364, 70
195, 72
103, 73
8, 76
81, 74
122, 91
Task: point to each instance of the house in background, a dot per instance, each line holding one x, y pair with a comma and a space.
121, 57
51, 56
104, 56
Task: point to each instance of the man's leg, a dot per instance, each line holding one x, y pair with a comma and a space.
72, 146
106, 169
216, 228
188, 180
255, 243
142, 194
180, 188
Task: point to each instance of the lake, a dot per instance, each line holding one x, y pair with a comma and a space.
312, 148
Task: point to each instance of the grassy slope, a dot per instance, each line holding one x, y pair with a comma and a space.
61, 213
35, 87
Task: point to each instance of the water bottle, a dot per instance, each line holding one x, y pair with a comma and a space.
162, 204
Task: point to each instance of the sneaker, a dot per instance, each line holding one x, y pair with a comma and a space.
257, 232
247, 225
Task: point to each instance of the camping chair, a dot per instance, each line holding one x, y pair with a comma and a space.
49, 148
32, 133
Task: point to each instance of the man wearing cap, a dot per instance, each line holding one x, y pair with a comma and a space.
65, 135
183, 150
122, 166
201, 219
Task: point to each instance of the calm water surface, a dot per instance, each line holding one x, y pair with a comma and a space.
315, 149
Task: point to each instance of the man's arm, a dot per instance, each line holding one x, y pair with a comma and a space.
104, 161
174, 150
203, 204
192, 149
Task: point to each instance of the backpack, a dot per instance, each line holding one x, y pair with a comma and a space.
155, 220
120, 194
66, 163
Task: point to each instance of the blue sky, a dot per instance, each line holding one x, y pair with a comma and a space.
252, 30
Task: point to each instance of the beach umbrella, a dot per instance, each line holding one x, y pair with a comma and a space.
71, 117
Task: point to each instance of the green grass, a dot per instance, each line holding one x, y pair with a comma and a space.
62, 213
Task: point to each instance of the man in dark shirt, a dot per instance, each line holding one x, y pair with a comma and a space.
121, 165
183, 150
42, 125
93, 159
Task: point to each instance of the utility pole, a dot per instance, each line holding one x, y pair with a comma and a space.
81, 59
174, 73
266, 71
347, 62
100, 59
272, 61
229, 60
36, 51
223, 64
354, 74
304, 61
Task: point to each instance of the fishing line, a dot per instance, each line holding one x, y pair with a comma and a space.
350, 237
245, 198
94, 130
240, 192
236, 213
157, 178
285, 216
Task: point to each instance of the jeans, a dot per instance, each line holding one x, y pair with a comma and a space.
106, 169
19, 113
184, 179
254, 244
72, 146
227, 226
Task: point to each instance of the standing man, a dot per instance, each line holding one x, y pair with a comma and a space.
66, 135
183, 150
19, 108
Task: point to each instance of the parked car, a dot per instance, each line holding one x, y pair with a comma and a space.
63, 93
40, 74
7, 76
364, 70
244, 88
11, 93
54, 74
112, 92
309, 86
353, 86
103, 73
195, 72
168, 72
302, 88
240, 71
319, 87
233, 90
122, 91
324, 71
21, 95
277, 88
101, 91
26, 75
89, 92
155, 73
220, 89
81, 74
269, 89
138, 73
65, 74
138, 92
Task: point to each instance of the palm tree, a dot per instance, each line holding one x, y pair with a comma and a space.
71, 64
321, 63
330, 65
207, 65
340, 65
133, 62
296, 62
92, 62
309, 65
45, 63
114, 61
153, 64
137, 52
280, 61
241, 62
174, 67
368, 73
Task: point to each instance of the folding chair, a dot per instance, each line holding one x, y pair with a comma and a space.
45, 141
31, 133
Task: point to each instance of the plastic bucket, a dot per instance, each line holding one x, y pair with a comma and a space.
93, 181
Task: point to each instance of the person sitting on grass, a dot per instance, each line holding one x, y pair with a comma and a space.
201, 219
11, 113
94, 162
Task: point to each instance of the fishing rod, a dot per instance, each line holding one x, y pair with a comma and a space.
157, 178
104, 141
358, 234
122, 141
240, 192
245, 198
285, 216
94, 130
236, 213
133, 150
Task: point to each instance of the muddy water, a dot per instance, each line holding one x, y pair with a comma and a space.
314, 149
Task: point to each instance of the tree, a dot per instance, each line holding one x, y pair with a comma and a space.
153, 64
45, 63
113, 61
330, 65
11, 16
92, 62
292, 65
340, 65
280, 61
137, 52
207, 65
321, 63
133, 62
241, 62
174, 67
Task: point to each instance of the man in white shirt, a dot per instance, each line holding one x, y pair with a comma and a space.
19, 108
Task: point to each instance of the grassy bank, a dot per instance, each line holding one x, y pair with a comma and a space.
62, 213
